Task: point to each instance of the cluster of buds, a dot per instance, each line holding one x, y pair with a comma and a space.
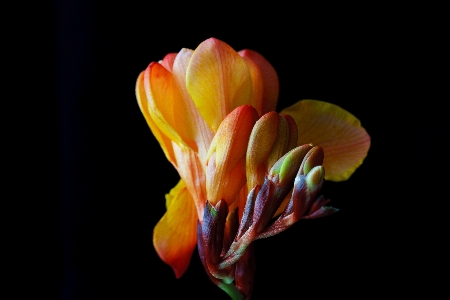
225, 243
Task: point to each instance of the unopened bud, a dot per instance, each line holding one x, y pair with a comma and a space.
313, 158
213, 227
315, 178
288, 165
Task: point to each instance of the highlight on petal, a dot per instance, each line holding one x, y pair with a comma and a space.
225, 172
218, 81
344, 141
166, 143
199, 131
166, 106
175, 235
271, 86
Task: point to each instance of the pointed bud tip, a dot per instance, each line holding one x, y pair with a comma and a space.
292, 163
312, 159
315, 177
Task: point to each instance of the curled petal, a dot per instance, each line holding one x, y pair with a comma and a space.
225, 172
218, 81
344, 141
269, 76
174, 237
165, 104
164, 141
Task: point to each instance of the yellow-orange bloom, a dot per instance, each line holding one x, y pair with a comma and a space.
212, 110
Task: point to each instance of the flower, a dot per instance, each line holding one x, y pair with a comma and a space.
242, 165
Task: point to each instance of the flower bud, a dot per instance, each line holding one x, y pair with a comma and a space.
288, 165
213, 227
314, 180
313, 158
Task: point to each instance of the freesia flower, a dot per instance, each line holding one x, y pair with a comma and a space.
247, 172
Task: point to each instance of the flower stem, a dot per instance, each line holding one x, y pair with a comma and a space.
231, 290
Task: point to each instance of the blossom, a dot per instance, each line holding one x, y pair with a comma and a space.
246, 171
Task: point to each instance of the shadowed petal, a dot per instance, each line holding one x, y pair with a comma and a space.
344, 141
218, 81
256, 100
269, 76
174, 237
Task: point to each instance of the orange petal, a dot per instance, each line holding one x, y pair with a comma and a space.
271, 85
175, 235
226, 155
218, 81
198, 131
166, 143
167, 107
344, 141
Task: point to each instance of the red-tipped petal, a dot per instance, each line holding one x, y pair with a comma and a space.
167, 61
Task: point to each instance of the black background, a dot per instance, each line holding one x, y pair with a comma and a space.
111, 174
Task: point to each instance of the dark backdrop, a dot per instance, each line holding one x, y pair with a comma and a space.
112, 174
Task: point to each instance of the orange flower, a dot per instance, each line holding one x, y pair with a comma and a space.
212, 111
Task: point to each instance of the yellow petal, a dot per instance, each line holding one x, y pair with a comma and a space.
344, 141
175, 237
196, 128
162, 139
218, 81
270, 82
